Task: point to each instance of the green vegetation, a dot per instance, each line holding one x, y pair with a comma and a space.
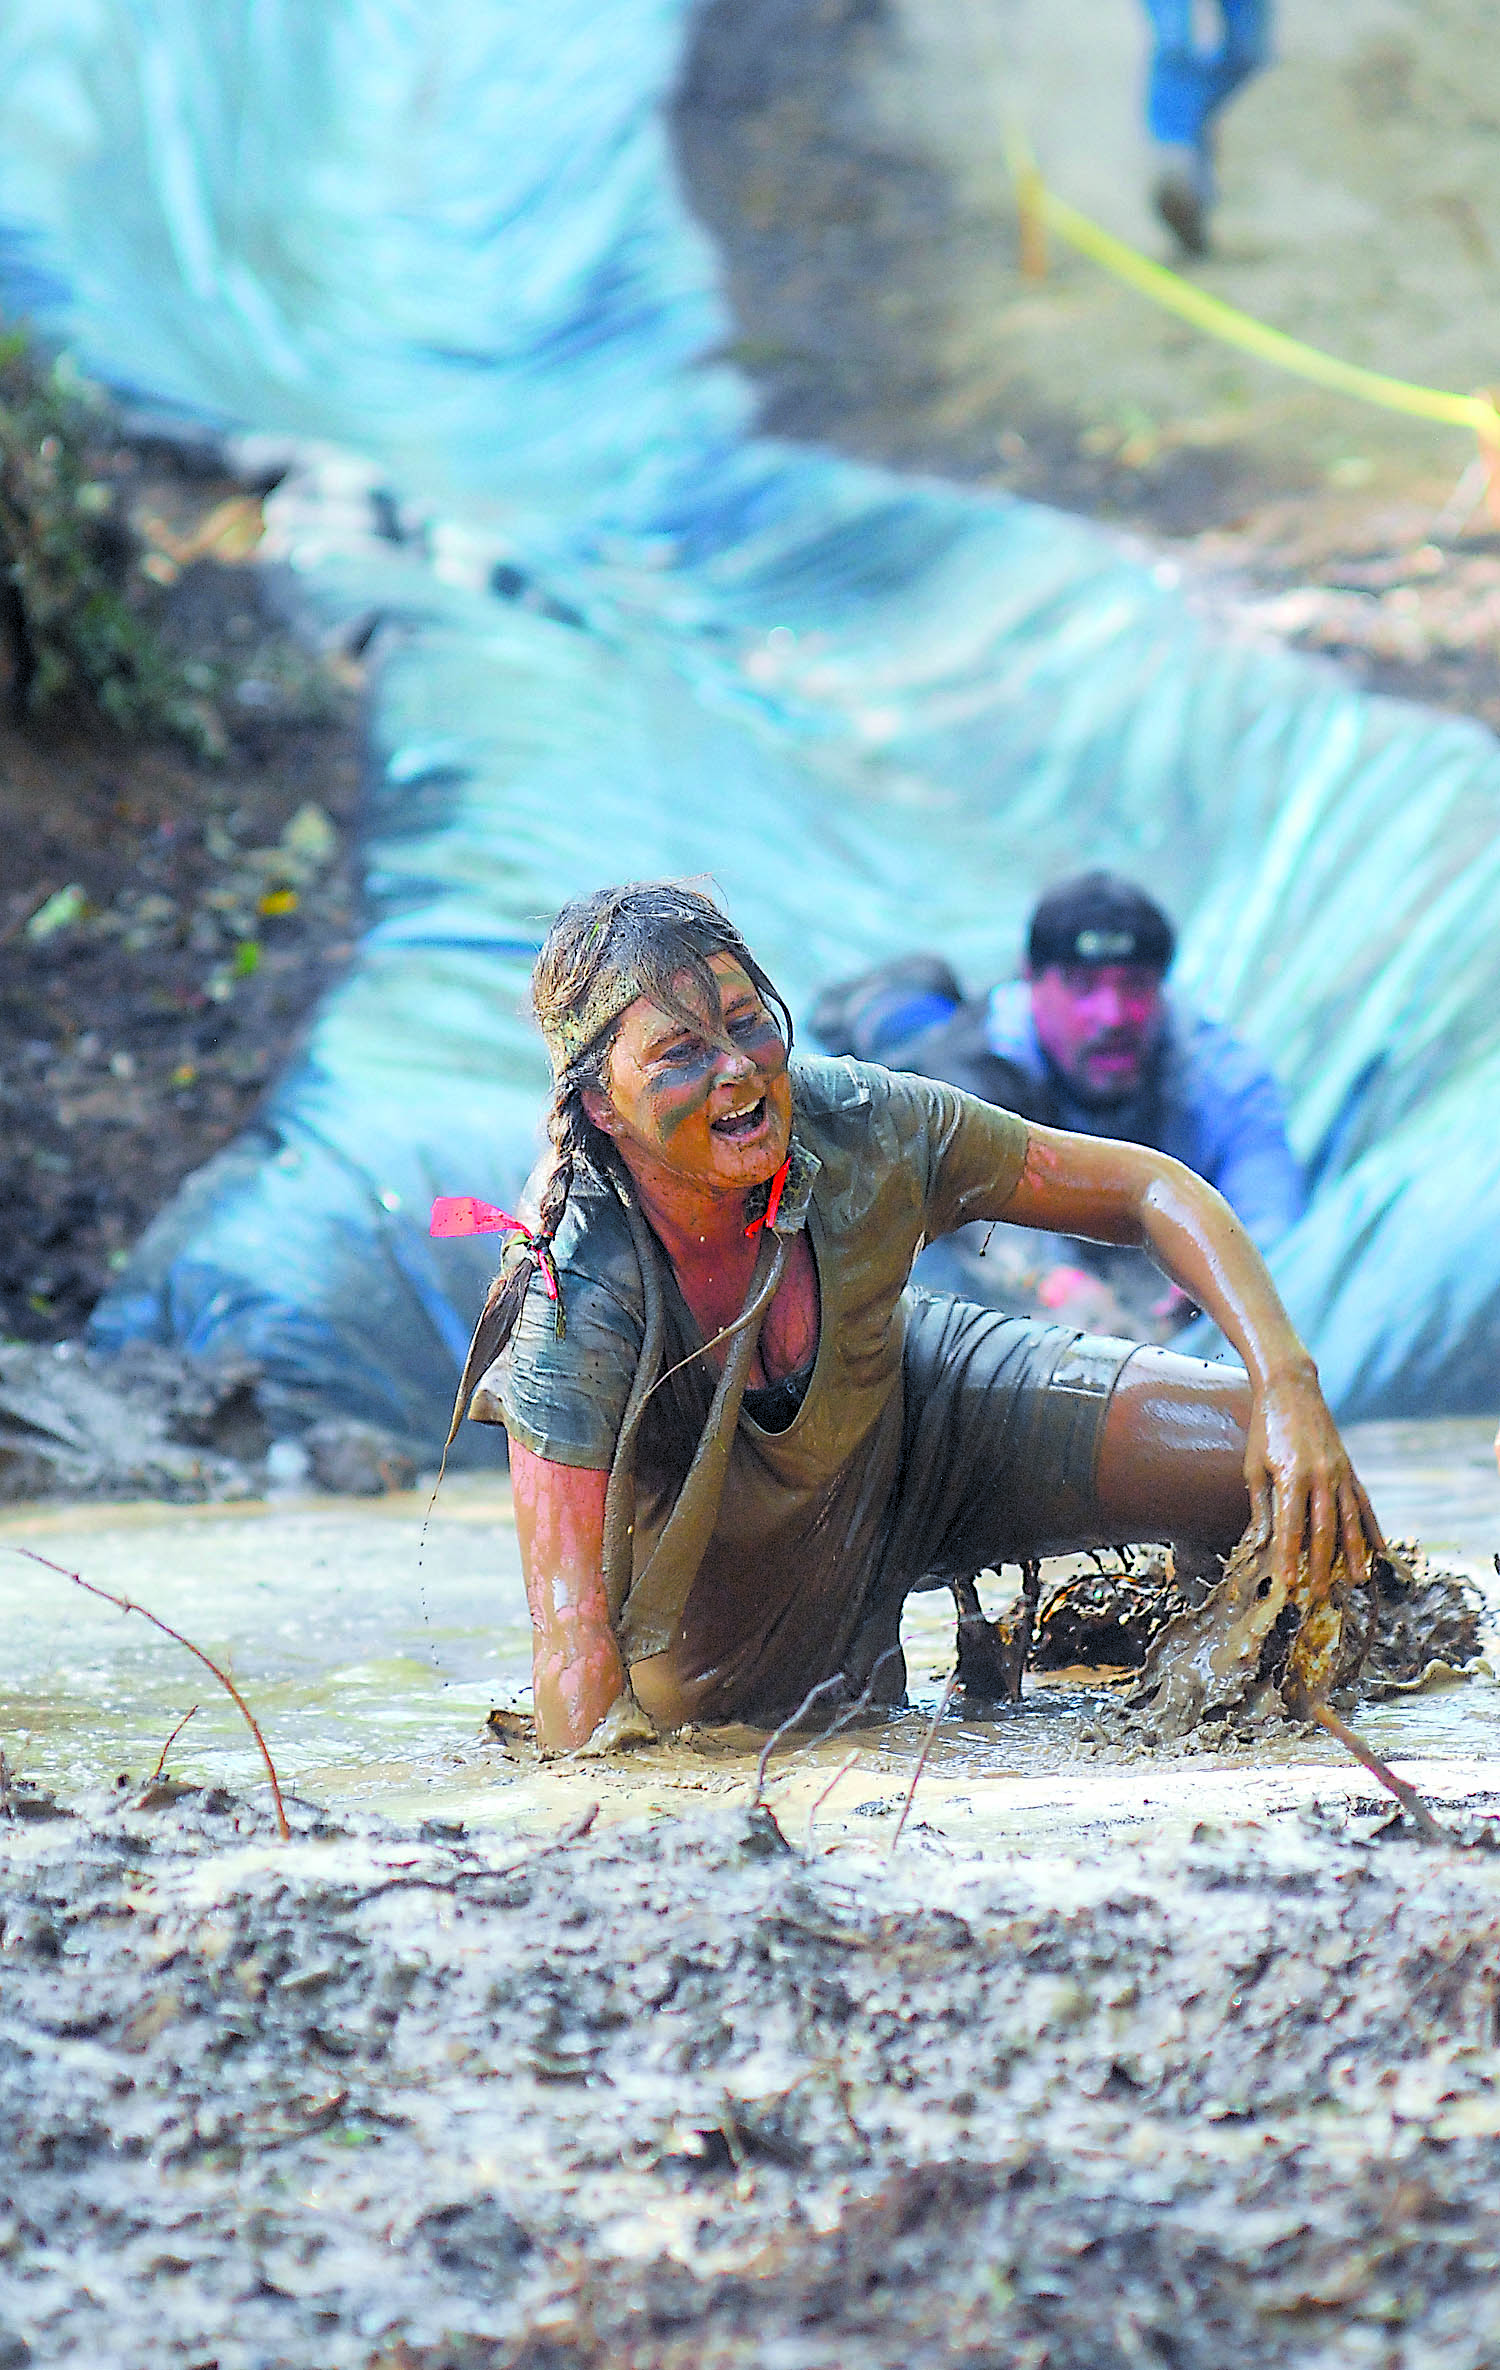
74, 622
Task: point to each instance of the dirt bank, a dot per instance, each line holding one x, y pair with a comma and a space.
846, 156
674, 2096
167, 920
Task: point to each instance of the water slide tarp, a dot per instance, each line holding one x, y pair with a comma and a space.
629, 636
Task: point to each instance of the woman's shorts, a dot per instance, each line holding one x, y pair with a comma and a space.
1004, 1419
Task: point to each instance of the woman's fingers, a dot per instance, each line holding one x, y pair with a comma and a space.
1353, 1514
1261, 1502
1321, 1537
1289, 1523
1304, 1493
1368, 1522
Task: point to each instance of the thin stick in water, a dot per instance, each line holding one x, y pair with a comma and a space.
823, 1687
1408, 1797
127, 1605
927, 1744
837, 1779
171, 1741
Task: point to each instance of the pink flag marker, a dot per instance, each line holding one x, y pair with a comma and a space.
460, 1213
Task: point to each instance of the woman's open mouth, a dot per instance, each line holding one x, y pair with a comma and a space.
739, 1126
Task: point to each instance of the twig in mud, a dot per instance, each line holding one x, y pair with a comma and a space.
161, 1762
7, 1808
824, 1686
846, 1719
837, 1779
127, 1604
927, 1744
1408, 1797
573, 1832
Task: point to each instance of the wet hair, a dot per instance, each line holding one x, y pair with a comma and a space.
601, 953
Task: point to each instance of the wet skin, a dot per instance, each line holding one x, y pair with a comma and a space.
1190, 1453
1099, 1023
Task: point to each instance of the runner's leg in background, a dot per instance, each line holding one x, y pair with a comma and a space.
1186, 87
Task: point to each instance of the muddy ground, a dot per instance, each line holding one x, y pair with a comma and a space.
1112, 2059
674, 2096
847, 158
168, 918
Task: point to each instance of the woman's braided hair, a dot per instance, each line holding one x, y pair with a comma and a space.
647, 938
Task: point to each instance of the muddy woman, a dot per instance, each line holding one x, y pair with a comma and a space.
739, 1440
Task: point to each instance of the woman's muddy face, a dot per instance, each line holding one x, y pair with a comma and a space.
710, 1114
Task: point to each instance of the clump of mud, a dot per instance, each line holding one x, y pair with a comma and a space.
1424, 1623
1428, 1625
1221, 1661
151, 1423
671, 2094
1108, 1617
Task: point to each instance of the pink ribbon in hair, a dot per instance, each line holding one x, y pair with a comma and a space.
462, 1213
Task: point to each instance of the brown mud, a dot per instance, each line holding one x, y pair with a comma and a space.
1112, 2059
1424, 1620
673, 2094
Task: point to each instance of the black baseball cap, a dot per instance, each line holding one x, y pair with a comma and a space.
1099, 918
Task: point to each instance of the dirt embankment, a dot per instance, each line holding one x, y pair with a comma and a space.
167, 919
847, 157
672, 2096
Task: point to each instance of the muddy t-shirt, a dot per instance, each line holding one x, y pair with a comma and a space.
883, 1163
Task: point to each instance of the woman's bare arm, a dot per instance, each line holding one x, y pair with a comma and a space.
577, 1674
1301, 1483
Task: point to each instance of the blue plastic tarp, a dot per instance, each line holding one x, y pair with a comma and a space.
880, 713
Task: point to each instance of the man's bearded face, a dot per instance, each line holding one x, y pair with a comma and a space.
1099, 1023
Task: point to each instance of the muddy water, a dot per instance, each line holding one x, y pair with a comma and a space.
372, 1673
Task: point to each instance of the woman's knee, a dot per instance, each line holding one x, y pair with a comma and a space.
1172, 1453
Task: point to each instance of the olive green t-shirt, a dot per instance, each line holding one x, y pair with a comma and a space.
883, 1163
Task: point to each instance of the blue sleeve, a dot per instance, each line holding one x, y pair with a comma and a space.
1246, 1155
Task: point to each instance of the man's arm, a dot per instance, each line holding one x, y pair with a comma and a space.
577, 1674
1300, 1479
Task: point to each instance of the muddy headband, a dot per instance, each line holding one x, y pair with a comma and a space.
570, 1033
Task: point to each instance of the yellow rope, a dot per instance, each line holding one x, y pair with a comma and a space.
1209, 313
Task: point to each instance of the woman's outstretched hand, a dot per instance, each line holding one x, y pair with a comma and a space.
1304, 1492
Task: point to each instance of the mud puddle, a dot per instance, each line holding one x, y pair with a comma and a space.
1177, 2062
372, 1663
